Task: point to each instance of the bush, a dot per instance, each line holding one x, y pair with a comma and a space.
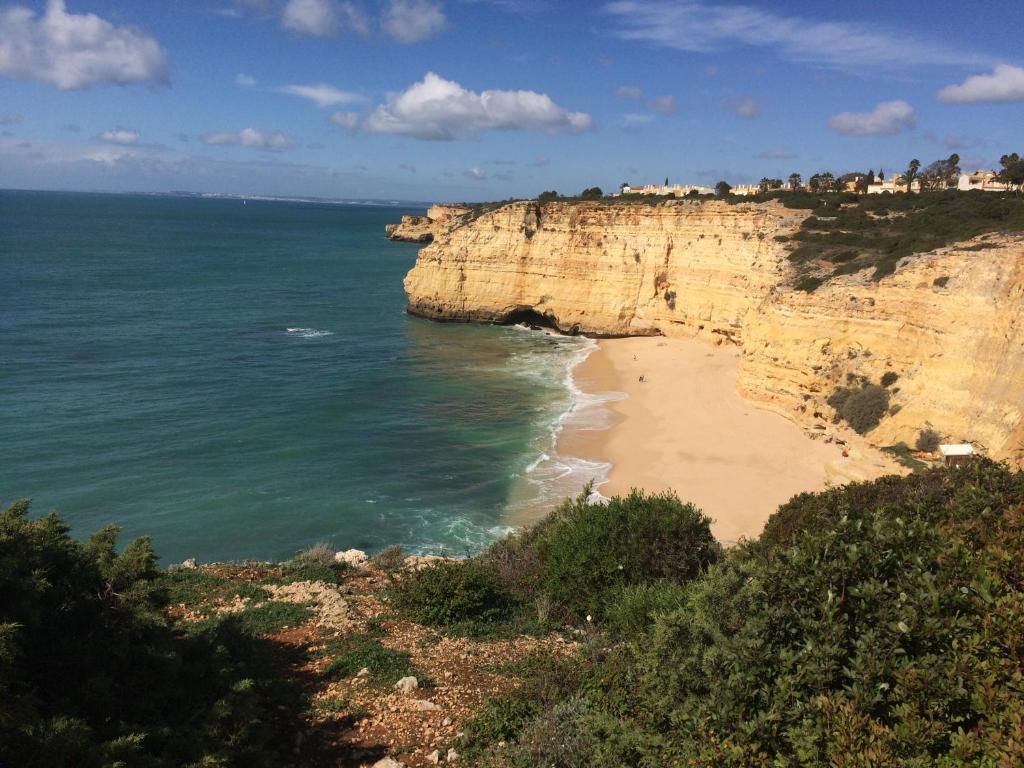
873, 624
560, 737
928, 440
584, 552
450, 594
93, 673
500, 719
314, 564
389, 559
889, 378
633, 609
871, 627
861, 408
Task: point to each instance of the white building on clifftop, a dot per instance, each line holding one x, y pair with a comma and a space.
676, 190
986, 181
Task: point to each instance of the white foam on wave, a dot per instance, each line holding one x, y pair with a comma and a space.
308, 333
551, 477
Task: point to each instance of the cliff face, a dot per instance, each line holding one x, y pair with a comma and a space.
715, 269
423, 229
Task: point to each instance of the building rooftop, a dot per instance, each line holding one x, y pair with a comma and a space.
956, 449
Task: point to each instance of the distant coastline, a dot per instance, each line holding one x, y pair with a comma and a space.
382, 203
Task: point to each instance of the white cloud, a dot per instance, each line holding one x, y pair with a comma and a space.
322, 94
745, 107
120, 135
249, 137
690, 25
73, 51
409, 21
442, 110
664, 105
10, 119
474, 174
631, 92
246, 81
311, 17
1006, 83
347, 120
886, 119
323, 18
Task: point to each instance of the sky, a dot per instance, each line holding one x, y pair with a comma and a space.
458, 100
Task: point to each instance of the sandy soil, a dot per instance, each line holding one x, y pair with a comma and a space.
685, 428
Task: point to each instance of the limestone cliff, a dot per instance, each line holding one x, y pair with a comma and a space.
949, 323
423, 229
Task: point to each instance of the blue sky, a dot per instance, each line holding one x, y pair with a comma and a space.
486, 99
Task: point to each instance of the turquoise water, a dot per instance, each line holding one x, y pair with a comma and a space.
242, 381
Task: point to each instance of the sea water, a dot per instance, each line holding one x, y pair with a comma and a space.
242, 381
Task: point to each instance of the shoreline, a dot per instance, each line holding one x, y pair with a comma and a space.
685, 428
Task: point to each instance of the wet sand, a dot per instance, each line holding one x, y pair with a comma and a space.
686, 428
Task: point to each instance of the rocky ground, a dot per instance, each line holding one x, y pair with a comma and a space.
383, 691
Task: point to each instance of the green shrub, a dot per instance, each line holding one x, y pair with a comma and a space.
563, 736
877, 624
861, 408
928, 440
633, 608
93, 674
886, 621
451, 593
500, 719
584, 552
889, 378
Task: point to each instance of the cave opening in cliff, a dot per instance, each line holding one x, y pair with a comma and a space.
531, 318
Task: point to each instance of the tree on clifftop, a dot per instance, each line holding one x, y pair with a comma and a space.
1012, 172
794, 181
545, 197
723, 188
591, 193
941, 174
912, 170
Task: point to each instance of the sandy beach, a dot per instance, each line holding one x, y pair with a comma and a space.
686, 428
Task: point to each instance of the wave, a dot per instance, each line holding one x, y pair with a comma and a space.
308, 333
549, 477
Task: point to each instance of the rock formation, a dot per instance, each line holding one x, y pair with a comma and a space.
949, 323
423, 229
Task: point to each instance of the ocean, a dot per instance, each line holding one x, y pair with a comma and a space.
241, 381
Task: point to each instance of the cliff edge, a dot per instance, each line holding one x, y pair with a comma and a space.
948, 323
423, 229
